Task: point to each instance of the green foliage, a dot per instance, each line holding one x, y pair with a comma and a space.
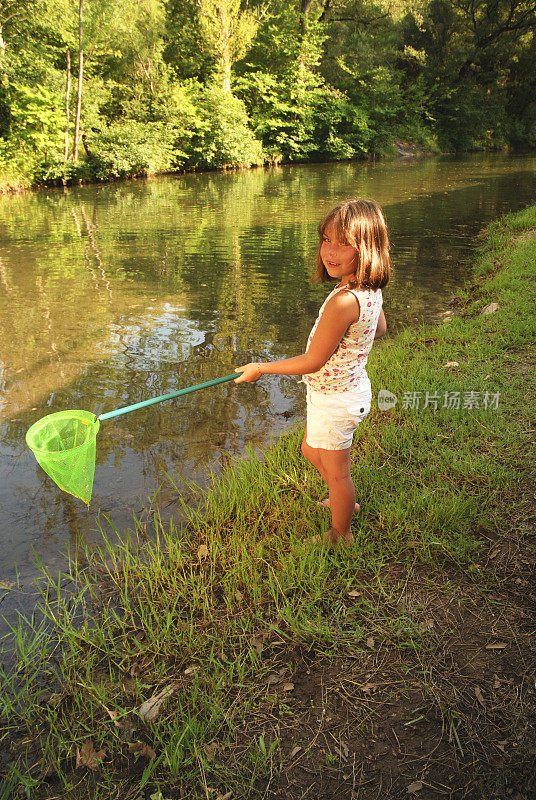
341, 128
227, 33
16, 169
223, 137
279, 121
36, 120
131, 148
297, 124
54, 169
217, 83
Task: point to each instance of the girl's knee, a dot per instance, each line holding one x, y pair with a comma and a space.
307, 451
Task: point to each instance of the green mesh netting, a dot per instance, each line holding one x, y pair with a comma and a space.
64, 446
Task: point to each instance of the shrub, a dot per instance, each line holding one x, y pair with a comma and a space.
16, 168
223, 137
128, 148
341, 129
55, 169
279, 120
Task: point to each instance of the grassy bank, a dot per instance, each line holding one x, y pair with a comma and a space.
226, 659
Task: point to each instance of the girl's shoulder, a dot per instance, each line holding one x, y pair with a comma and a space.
344, 299
369, 295
344, 302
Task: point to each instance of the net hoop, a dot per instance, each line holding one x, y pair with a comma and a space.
84, 416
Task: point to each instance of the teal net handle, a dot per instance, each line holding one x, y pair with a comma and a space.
119, 411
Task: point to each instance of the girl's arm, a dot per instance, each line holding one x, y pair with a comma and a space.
381, 328
338, 315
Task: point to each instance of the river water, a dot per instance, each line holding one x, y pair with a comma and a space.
112, 294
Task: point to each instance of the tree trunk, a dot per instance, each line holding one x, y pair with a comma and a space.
226, 75
67, 94
305, 5
80, 75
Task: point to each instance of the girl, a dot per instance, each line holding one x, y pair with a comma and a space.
354, 250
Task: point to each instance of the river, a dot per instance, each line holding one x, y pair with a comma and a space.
112, 294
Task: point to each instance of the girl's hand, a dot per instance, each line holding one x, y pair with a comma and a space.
250, 372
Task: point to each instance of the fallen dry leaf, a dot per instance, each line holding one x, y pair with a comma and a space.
272, 679
113, 716
87, 756
191, 669
142, 748
288, 687
149, 710
451, 364
239, 596
202, 552
478, 695
258, 644
226, 796
54, 700
416, 786
210, 749
370, 642
496, 646
136, 670
295, 751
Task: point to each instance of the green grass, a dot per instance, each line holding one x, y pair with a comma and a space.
212, 606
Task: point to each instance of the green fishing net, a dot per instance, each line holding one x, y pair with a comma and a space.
64, 445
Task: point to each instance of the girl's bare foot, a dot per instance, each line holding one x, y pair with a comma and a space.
331, 538
325, 504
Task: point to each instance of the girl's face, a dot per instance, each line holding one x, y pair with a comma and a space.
339, 258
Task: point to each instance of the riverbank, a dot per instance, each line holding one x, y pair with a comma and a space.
13, 181
227, 657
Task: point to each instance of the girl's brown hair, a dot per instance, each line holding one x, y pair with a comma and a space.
359, 223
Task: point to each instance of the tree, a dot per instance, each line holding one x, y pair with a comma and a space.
227, 33
80, 78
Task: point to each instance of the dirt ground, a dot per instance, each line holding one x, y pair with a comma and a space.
453, 719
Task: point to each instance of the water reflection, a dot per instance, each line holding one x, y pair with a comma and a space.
112, 294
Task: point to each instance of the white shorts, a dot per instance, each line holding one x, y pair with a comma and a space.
333, 418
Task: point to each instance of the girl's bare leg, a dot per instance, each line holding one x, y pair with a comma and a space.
313, 455
336, 467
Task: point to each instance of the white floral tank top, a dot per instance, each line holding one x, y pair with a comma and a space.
345, 368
